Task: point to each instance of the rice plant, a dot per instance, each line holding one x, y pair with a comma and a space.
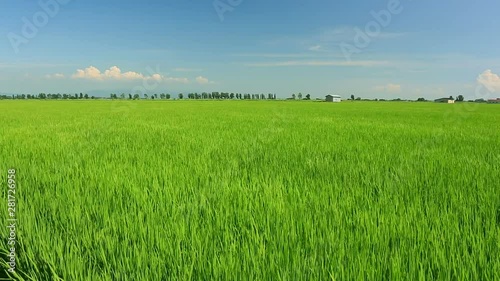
238, 190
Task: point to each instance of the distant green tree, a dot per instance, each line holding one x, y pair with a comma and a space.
352, 97
129, 96
293, 96
122, 96
308, 96
136, 97
86, 96
460, 98
81, 96
181, 96
300, 96
167, 96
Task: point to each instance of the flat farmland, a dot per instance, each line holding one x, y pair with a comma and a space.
257, 190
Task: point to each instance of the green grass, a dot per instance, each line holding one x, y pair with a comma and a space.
187, 190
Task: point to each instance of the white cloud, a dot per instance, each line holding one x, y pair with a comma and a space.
393, 88
489, 80
55, 76
90, 72
202, 80
156, 77
115, 73
175, 80
390, 88
315, 48
130, 75
319, 63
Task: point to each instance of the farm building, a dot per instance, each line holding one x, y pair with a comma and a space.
497, 100
333, 98
445, 100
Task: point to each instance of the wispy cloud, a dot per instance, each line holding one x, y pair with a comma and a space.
182, 80
315, 48
203, 80
55, 76
347, 33
329, 39
389, 88
320, 63
187, 69
21, 65
276, 55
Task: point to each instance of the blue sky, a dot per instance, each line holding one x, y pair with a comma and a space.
411, 49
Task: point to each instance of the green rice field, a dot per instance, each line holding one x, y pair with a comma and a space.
251, 190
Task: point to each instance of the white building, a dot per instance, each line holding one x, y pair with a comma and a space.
333, 98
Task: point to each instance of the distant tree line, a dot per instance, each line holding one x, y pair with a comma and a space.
203, 96
225, 96
44, 96
197, 96
299, 97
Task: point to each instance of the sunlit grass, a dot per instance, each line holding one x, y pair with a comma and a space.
253, 190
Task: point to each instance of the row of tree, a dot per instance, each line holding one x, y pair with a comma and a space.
299, 96
43, 96
197, 96
213, 95
217, 95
